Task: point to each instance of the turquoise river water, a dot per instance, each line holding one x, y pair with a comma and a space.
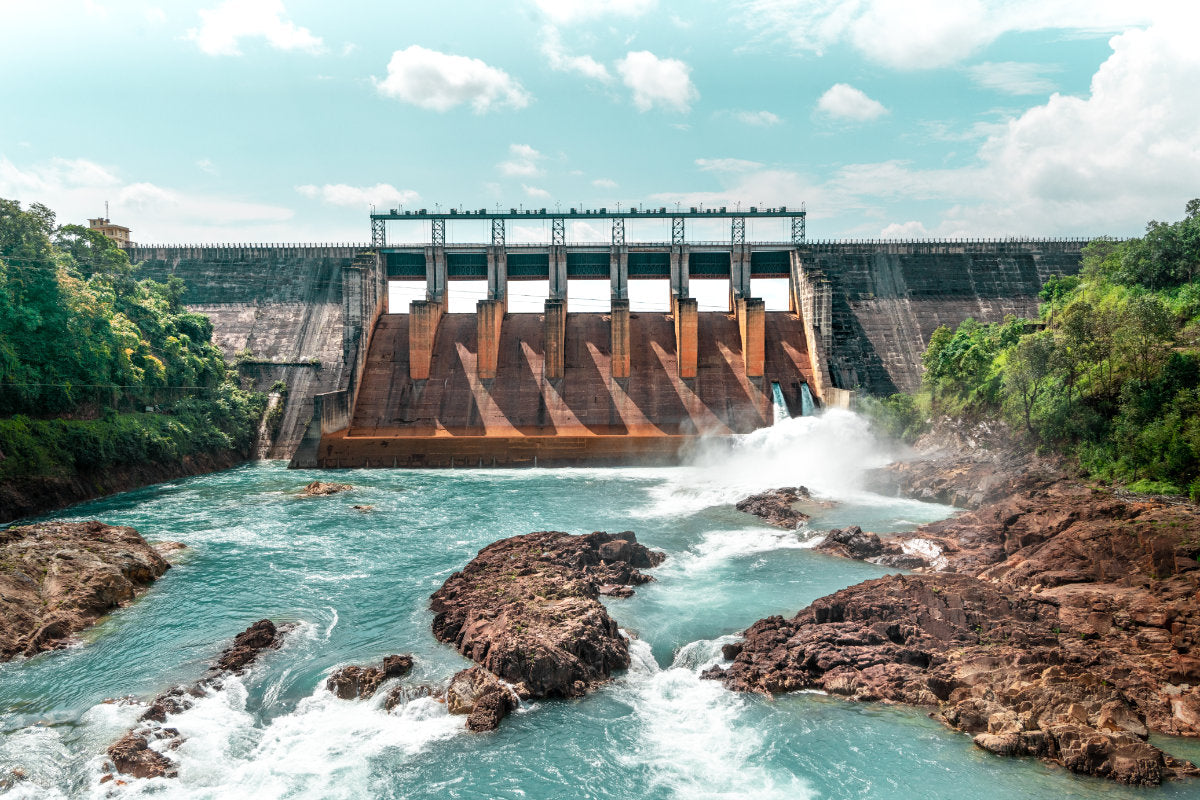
358, 584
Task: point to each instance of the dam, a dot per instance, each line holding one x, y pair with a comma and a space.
419, 386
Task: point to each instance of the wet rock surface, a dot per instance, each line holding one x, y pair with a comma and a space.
992, 662
1111, 580
321, 489
777, 507
132, 754
482, 697
57, 578
526, 609
354, 681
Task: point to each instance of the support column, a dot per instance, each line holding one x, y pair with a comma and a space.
423, 319
497, 267
435, 275
679, 270
618, 272
687, 330
752, 324
620, 338
558, 272
554, 339
739, 272
489, 315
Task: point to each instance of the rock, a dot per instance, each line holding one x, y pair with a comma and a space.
993, 660
353, 682
526, 609
363, 508
57, 578
402, 694
165, 549
131, 754
481, 696
247, 647
852, 543
776, 506
489, 710
320, 489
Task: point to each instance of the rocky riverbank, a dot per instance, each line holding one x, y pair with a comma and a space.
57, 578
527, 610
1055, 620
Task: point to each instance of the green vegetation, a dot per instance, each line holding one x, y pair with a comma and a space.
1109, 374
98, 368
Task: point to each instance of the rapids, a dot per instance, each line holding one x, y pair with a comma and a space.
358, 583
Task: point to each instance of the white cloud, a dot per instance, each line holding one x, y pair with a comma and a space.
905, 230
1104, 163
663, 82
759, 118
604, 183
222, 27
440, 81
523, 162
921, 34
534, 191
382, 195
154, 14
727, 164
843, 101
206, 165
567, 12
1013, 77
558, 59
76, 189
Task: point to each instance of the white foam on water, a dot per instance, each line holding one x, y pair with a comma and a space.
828, 453
716, 548
692, 734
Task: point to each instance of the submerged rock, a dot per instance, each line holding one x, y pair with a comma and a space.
354, 681
321, 488
57, 578
131, 754
526, 609
777, 507
991, 661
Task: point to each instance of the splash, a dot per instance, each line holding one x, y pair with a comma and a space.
829, 453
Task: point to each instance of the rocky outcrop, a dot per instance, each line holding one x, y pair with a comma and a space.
526, 609
994, 664
482, 697
966, 465
321, 489
354, 681
777, 507
57, 578
132, 754
853, 543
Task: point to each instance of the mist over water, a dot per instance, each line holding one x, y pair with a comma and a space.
358, 585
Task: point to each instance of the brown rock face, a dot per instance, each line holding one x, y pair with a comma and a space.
57, 578
526, 609
320, 489
131, 754
991, 661
482, 697
362, 682
776, 507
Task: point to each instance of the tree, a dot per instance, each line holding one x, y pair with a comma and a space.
1027, 371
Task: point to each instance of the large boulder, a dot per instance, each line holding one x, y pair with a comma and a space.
526, 609
57, 578
354, 681
777, 507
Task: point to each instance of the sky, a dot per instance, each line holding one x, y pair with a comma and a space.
286, 120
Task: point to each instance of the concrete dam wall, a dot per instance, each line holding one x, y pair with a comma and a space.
368, 387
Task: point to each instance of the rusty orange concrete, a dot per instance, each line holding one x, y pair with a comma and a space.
554, 337
687, 329
489, 318
426, 316
586, 416
751, 312
619, 338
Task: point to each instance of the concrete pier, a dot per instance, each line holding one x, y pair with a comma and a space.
619, 325
489, 317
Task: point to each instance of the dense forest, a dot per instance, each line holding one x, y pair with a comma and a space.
1109, 374
99, 368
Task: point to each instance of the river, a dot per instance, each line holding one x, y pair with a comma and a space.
358, 583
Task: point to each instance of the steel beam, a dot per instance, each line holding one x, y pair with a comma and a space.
439, 233
798, 230
498, 232
378, 232
678, 234
738, 231
558, 231
618, 231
